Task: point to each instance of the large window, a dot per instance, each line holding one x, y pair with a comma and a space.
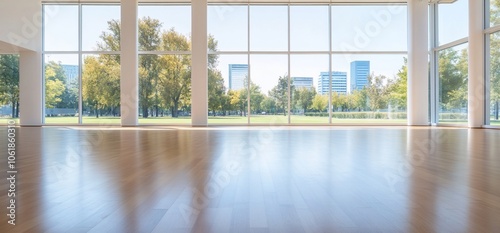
449, 76
453, 84
266, 63
494, 79
268, 89
164, 64
493, 64
61, 88
101, 89
377, 88
290, 73
9, 88
309, 105
81, 63
369, 70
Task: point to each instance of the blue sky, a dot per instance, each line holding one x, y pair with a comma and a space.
359, 28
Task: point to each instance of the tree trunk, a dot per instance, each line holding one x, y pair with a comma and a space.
174, 109
96, 111
17, 109
145, 112
13, 110
497, 110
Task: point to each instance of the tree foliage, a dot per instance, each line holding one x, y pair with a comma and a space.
55, 84
280, 94
304, 97
9, 82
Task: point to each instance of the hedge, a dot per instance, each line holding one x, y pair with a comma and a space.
361, 115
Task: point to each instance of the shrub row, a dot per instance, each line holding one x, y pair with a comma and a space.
361, 115
453, 116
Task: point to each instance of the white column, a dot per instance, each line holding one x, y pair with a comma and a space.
476, 64
129, 81
418, 67
199, 63
30, 88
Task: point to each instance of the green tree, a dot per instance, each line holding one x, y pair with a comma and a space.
54, 84
149, 40
256, 97
304, 97
399, 88
339, 101
101, 83
280, 94
9, 82
238, 100
377, 92
358, 100
320, 102
217, 98
495, 70
451, 77
268, 105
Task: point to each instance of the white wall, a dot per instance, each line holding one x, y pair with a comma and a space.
20, 26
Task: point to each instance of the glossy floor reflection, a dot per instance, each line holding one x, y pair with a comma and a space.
259, 179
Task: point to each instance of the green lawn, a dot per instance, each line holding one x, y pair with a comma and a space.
219, 120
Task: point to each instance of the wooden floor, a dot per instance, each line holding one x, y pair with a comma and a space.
260, 179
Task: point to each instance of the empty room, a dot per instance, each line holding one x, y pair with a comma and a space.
250, 116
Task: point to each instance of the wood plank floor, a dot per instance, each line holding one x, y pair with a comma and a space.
259, 179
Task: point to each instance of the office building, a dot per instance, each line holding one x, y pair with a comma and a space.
303, 82
71, 73
237, 75
360, 70
339, 83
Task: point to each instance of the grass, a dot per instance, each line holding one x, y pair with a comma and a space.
219, 120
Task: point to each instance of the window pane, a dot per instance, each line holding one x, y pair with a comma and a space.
229, 26
303, 35
101, 89
453, 21
268, 28
159, 24
100, 33
269, 89
164, 89
494, 78
226, 90
9, 88
60, 27
494, 13
307, 105
375, 87
61, 89
453, 78
369, 28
